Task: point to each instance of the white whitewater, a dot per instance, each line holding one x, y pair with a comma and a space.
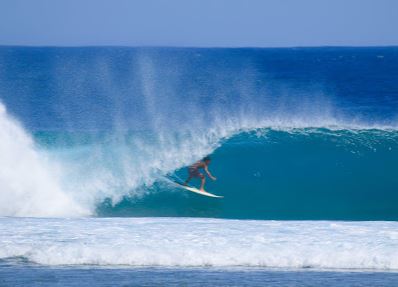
201, 242
29, 183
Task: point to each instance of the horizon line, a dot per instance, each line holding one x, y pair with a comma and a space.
199, 47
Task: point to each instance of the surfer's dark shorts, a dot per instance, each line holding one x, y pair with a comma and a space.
194, 172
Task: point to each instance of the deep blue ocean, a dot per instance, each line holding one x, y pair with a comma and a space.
304, 145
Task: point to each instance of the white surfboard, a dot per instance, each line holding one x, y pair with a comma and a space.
195, 190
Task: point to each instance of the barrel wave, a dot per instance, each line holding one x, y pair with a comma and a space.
293, 133
306, 173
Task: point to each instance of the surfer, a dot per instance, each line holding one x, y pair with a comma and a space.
193, 171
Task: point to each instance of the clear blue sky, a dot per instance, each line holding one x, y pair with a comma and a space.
261, 23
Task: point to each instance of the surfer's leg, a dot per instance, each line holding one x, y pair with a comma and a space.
188, 179
192, 172
203, 179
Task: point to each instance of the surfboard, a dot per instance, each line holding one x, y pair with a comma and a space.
195, 190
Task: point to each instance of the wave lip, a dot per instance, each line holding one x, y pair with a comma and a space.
202, 242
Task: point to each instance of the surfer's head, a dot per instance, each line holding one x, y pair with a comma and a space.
206, 159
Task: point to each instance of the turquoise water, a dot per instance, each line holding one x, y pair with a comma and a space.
311, 173
304, 144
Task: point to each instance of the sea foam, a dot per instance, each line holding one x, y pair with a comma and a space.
201, 242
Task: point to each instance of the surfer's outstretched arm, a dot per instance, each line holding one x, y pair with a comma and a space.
209, 174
